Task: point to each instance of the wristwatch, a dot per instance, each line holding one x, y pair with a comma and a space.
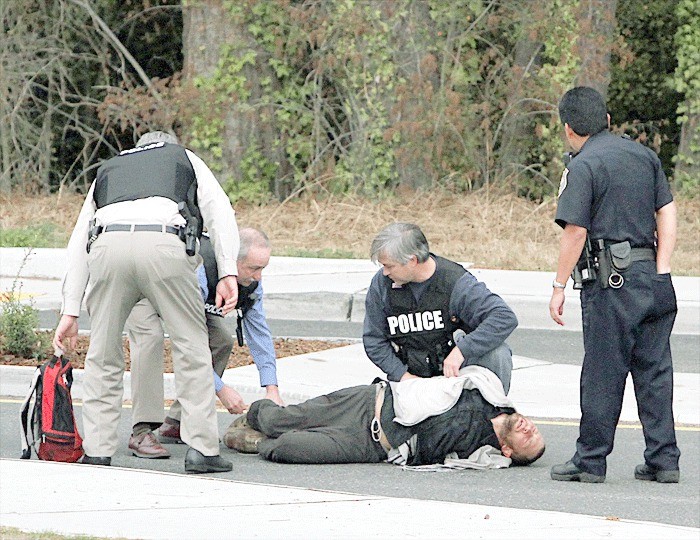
558, 285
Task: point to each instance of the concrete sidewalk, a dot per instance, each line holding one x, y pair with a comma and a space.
102, 501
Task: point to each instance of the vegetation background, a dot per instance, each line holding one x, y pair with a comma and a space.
326, 119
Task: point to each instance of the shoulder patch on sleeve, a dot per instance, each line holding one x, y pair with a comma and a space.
563, 182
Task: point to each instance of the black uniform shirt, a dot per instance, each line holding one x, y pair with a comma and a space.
613, 188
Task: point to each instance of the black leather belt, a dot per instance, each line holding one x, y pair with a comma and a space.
642, 254
137, 228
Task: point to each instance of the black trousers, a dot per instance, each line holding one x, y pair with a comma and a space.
627, 330
333, 428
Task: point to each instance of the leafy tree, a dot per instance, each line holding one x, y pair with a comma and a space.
642, 98
687, 81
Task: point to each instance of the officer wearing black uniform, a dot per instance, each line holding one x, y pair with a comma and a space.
427, 316
619, 224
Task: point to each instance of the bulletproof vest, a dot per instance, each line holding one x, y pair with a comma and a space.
422, 330
246, 298
152, 170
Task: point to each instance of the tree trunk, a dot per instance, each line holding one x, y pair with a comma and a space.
409, 112
517, 129
208, 30
5, 161
596, 35
688, 164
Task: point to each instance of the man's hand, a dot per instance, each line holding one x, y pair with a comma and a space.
408, 375
453, 362
232, 400
66, 333
556, 306
227, 294
272, 392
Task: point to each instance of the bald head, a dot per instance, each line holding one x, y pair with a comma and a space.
251, 237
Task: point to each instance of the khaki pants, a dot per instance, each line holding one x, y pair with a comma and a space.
145, 335
126, 267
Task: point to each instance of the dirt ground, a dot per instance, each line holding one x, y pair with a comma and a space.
240, 356
488, 228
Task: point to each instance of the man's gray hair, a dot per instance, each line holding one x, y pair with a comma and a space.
157, 136
399, 242
250, 237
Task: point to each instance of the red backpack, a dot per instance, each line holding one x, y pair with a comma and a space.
52, 425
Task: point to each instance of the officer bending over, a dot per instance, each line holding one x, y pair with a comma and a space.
126, 246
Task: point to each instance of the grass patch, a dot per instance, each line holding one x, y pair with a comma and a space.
42, 235
10, 533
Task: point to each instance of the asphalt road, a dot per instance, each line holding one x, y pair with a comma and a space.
621, 496
553, 345
557, 346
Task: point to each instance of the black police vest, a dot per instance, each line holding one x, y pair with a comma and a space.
422, 330
246, 298
152, 170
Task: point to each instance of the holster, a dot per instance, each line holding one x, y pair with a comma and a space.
585, 269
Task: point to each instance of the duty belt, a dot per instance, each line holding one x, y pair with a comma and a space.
97, 230
643, 254
137, 228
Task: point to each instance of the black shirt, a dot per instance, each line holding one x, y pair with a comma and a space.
613, 188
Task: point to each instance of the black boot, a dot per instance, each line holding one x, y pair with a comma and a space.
196, 462
569, 472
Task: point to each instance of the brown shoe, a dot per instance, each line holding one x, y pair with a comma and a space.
147, 446
169, 433
243, 438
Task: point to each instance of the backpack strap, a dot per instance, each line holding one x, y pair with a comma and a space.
25, 424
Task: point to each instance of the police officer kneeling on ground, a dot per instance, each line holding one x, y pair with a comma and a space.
428, 316
619, 224
130, 224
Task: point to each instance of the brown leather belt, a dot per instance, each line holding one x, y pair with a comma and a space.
378, 434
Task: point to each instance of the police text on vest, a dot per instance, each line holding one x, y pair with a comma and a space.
415, 322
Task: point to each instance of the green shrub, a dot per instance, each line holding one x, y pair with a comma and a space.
17, 329
18, 323
43, 235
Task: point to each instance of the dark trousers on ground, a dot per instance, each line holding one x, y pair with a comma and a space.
333, 428
627, 330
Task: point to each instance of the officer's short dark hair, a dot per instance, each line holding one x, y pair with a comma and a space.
399, 242
584, 109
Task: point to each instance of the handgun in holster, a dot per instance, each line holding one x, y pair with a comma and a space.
188, 234
93, 232
585, 270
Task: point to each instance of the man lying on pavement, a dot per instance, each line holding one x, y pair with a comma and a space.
419, 421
